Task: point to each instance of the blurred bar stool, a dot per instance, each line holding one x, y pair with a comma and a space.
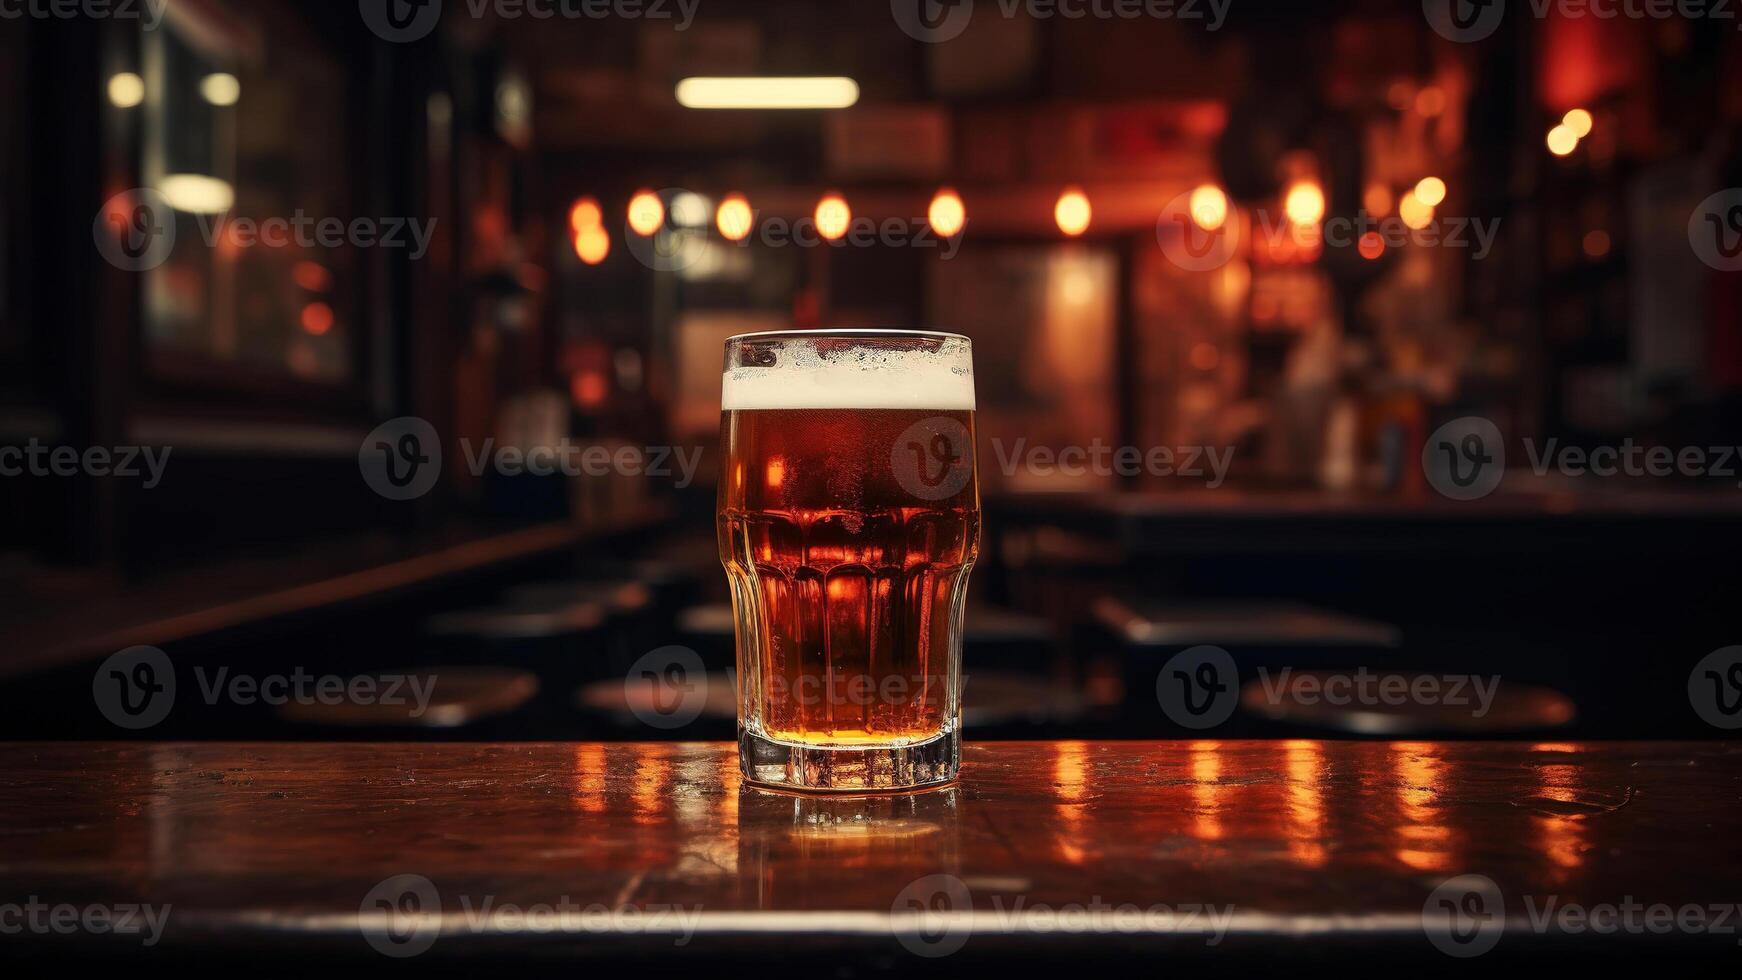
480, 702
563, 642
1268, 634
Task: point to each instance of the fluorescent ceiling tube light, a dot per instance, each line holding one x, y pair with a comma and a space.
821, 92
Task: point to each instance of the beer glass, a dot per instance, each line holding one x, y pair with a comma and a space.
849, 519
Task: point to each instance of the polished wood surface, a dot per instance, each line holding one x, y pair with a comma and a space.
280, 845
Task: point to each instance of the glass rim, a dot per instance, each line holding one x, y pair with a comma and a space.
849, 333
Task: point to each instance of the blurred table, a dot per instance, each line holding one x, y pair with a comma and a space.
309, 853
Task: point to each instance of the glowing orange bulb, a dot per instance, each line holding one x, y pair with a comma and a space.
1209, 207
317, 319
1579, 121
833, 216
1562, 140
585, 214
1305, 203
1416, 213
1430, 191
733, 218
1072, 212
646, 213
1371, 246
592, 244
947, 213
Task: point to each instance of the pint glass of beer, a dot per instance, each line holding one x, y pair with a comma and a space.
849, 518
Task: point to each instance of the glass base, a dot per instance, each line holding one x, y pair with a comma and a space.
847, 768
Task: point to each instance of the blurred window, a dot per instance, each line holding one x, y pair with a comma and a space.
248, 136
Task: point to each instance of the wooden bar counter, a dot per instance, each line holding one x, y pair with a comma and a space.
361, 855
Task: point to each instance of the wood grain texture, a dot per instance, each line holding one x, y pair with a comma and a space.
280, 845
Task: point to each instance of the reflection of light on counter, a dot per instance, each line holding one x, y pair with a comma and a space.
126, 90
647, 792
590, 778
1071, 774
1207, 790
1303, 762
1423, 841
197, 193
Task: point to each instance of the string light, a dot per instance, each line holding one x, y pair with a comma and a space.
1072, 212
1209, 207
733, 218
1305, 203
1430, 191
947, 215
833, 216
646, 213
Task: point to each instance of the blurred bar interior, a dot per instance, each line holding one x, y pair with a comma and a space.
1227, 280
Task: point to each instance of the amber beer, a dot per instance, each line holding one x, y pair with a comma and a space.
849, 520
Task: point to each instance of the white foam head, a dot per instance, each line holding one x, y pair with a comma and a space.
938, 375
